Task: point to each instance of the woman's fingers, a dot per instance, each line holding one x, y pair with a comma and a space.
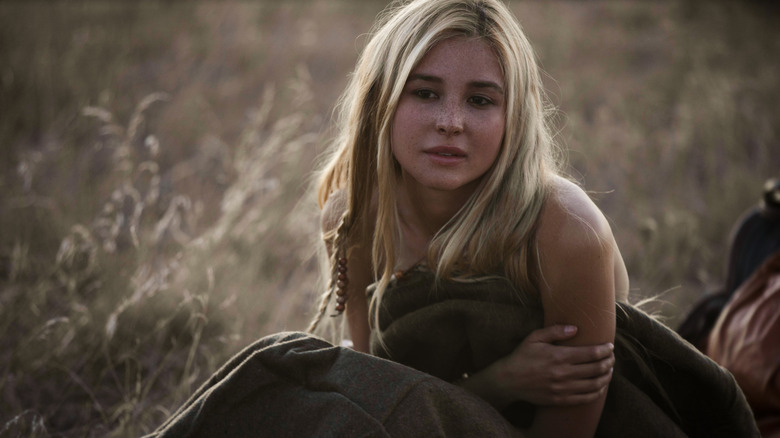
544, 373
582, 354
568, 354
590, 370
578, 391
553, 333
593, 353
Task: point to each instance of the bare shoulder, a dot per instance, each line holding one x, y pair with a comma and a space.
570, 219
573, 231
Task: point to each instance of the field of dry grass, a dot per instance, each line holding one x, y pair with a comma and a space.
154, 212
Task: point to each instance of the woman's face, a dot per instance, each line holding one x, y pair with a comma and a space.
449, 124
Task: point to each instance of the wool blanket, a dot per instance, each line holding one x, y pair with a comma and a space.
661, 385
297, 385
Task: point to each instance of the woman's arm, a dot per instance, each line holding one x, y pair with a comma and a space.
576, 261
358, 273
545, 374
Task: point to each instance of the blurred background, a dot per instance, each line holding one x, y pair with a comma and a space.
155, 159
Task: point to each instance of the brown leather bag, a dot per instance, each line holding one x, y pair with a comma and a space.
746, 341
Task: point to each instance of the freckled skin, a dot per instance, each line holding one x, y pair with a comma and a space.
453, 99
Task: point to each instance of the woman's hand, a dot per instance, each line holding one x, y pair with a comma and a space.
545, 374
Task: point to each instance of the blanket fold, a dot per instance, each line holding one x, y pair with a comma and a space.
296, 385
661, 385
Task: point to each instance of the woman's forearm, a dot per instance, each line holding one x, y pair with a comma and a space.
543, 373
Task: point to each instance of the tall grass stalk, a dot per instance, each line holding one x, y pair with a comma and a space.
145, 237
139, 304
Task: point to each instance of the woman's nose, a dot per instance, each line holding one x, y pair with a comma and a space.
450, 119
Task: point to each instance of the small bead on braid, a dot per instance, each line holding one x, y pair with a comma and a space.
341, 285
338, 275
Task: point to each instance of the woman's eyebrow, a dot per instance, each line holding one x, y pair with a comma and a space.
487, 84
424, 77
438, 80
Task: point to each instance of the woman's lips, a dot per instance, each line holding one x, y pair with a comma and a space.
446, 151
445, 154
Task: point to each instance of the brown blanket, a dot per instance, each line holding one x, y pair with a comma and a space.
662, 386
295, 385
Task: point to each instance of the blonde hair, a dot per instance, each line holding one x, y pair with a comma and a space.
493, 232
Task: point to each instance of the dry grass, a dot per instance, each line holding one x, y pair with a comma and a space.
155, 162
136, 308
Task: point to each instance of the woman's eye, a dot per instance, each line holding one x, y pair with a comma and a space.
480, 100
424, 94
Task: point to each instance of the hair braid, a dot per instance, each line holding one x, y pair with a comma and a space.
337, 251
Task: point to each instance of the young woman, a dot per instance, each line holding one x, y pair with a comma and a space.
445, 164
461, 163
459, 252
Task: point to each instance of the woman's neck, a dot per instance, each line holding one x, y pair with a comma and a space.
425, 211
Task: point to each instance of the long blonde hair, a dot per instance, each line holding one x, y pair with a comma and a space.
493, 232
